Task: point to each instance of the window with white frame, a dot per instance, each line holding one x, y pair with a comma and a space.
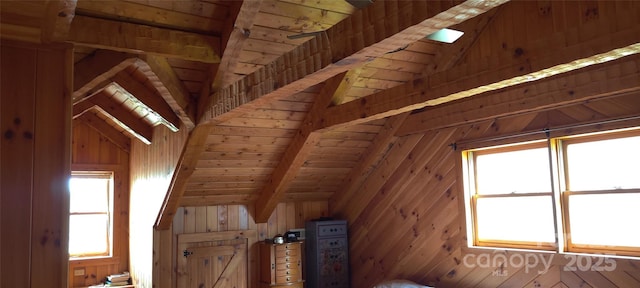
569, 194
90, 216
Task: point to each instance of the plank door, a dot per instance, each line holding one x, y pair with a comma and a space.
220, 264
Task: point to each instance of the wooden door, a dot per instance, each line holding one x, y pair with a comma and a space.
216, 259
217, 264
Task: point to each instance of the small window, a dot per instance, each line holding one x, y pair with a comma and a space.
602, 192
90, 216
512, 201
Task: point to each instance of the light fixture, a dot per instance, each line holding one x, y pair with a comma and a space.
445, 35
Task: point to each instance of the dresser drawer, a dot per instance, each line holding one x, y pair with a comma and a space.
284, 266
290, 259
288, 272
287, 279
281, 253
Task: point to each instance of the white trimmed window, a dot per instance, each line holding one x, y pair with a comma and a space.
90, 214
570, 194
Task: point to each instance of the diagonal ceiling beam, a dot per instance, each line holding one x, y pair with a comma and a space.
458, 83
106, 130
236, 31
298, 150
586, 84
134, 38
240, 31
93, 72
149, 98
195, 145
103, 102
336, 57
159, 72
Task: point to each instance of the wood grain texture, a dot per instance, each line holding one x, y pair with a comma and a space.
93, 149
417, 222
36, 115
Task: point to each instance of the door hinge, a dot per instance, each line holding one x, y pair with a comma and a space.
186, 253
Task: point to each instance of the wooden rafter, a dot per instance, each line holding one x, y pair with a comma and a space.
240, 31
57, 21
195, 145
532, 96
149, 98
298, 150
458, 83
125, 119
160, 73
341, 58
133, 38
93, 72
106, 130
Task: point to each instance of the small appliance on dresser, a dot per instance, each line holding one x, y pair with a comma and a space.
327, 254
281, 264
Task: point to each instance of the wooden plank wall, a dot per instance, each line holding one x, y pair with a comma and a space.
35, 105
91, 151
202, 219
408, 222
151, 169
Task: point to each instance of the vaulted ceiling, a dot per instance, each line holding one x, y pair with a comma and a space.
299, 100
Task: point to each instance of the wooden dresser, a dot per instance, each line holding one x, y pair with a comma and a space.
281, 265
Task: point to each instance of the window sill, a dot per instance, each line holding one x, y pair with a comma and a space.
94, 260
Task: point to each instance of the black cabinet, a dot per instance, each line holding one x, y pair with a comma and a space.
327, 254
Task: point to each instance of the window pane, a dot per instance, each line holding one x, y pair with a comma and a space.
89, 194
526, 218
604, 165
88, 234
523, 171
605, 219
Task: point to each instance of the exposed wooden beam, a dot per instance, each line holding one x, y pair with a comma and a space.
297, 151
458, 83
135, 38
106, 130
358, 174
618, 77
82, 106
102, 101
57, 21
160, 73
149, 98
93, 72
195, 145
240, 31
237, 30
335, 57
154, 15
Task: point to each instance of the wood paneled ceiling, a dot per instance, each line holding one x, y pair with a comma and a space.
294, 99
